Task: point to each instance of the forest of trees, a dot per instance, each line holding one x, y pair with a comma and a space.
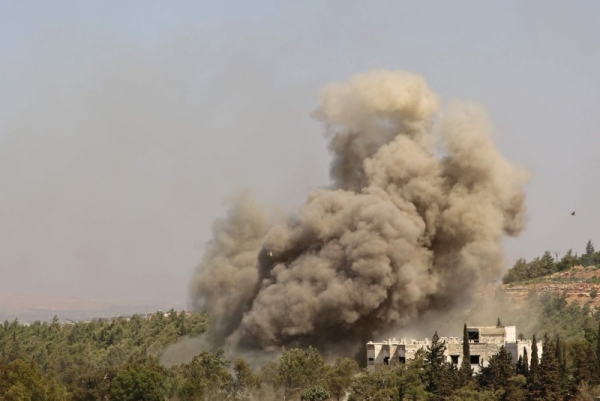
118, 359
548, 264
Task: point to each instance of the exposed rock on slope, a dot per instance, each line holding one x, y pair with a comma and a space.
579, 284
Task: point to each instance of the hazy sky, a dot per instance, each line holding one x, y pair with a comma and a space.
124, 126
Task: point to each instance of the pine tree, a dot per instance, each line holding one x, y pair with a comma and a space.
519, 271
519, 367
316, 393
589, 248
561, 359
547, 264
435, 365
549, 372
466, 372
558, 354
299, 370
525, 363
582, 354
535, 362
568, 261
564, 374
499, 370
339, 377
466, 346
533, 381
588, 257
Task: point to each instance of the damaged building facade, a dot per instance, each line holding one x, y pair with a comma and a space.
484, 342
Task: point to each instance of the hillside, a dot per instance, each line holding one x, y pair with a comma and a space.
579, 284
32, 307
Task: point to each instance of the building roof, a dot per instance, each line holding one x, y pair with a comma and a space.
491, 331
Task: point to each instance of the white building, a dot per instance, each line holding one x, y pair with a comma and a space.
483, 343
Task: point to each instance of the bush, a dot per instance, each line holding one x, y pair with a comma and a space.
316, 393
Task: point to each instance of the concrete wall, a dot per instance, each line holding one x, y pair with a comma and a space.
491, 339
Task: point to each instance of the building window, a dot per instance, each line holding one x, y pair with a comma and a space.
402, 359
371, 361
386, 360
473, 335
474, 359
454, 359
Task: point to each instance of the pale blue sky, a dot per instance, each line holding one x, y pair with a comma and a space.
124, 125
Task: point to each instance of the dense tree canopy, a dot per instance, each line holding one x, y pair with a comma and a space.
118, 359
548, 264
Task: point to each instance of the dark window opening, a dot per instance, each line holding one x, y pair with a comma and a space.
474, 359
371, 361
473, 336
454, 359
386, 360
402, 359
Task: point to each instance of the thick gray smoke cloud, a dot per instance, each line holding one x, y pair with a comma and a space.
420, 201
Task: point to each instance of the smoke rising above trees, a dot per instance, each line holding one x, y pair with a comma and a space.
419, 201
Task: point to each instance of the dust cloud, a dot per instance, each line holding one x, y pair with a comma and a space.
419, 202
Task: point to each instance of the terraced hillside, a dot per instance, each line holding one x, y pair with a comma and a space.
579, 284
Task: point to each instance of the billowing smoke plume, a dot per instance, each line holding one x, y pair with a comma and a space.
420, 201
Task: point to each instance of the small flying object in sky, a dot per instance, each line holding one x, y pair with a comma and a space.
573, 213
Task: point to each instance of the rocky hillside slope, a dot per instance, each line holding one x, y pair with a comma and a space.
579, 284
